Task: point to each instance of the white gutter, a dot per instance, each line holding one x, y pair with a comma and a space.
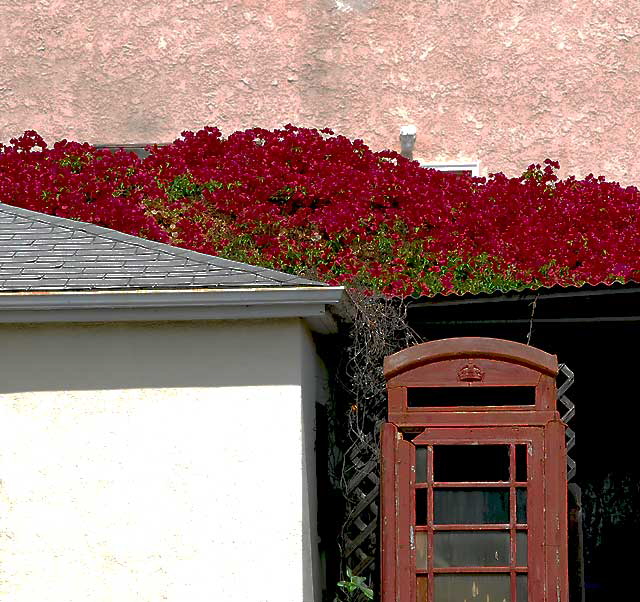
308, 302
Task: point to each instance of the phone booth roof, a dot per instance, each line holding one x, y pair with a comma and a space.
471, 380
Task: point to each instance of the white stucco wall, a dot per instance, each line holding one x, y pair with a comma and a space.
152, 462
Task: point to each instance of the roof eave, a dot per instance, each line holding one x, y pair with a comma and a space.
309, 302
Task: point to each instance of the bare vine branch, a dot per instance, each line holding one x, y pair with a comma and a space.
379, 328
533, 311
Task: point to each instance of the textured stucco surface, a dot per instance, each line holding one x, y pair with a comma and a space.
193, 489
506, 82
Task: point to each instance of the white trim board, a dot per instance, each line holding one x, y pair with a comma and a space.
309, 303
472, 166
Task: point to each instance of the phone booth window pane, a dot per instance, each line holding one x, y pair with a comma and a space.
471, 548
521, 548
521, 505
460, 463
421, 550
421, 464
471, 506
471, 587
522, 586
421, 506
422, 589
521, 463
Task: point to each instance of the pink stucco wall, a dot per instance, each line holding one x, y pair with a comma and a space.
506, 82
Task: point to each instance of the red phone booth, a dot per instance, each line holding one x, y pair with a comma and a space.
474, 486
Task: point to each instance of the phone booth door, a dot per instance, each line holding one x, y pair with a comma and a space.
474, 508
472, 532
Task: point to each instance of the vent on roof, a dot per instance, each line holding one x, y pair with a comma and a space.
138, 149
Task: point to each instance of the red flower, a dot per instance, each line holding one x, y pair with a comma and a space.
309, 201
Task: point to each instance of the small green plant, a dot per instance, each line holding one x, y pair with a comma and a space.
183, 186
356, 584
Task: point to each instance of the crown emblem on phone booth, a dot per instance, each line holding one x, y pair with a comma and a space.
470, 373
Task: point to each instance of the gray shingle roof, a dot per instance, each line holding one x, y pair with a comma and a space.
40, 252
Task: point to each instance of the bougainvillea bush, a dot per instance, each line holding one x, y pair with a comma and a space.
314, 203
